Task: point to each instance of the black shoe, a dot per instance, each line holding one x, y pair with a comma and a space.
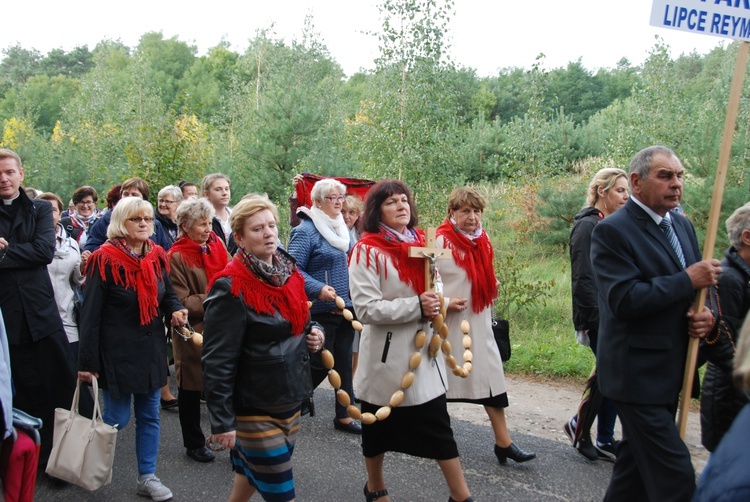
201, 454
584, 446
308, 407
607, 451
168, 404
371, 496
512, 452
352, 427
470, 499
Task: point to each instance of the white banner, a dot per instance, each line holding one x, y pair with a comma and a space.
720, 18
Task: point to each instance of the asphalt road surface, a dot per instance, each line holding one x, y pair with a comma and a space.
328, 466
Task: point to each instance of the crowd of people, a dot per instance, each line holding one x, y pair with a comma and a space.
256, 326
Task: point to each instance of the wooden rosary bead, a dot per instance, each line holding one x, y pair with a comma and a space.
357, 325
327, 359
465, 327
414, 360
419, 339
435, 344
443, 331
343, 398
334, 379
446, 347
347, 314
197, 339
340, 303
468, 356
437, 322
368, 418
407, 380
451, 362
383, 412
354, 412
466, 342
397, 398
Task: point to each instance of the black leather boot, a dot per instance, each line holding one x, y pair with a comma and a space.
513, 452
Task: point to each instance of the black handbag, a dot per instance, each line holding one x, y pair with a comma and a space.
501, 331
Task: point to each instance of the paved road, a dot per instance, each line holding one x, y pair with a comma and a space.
328, 466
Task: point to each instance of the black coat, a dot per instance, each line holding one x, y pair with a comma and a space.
129, 357
26, 294
585, 294
644, 294
219, 231
721, 401
250, 360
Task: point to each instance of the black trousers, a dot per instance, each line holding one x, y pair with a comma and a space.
339, 339
189, 404
653, 463
44, 378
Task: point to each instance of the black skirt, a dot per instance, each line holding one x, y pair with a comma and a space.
499, 401
422, 431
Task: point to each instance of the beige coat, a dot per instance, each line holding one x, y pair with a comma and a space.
389, 310
486, 378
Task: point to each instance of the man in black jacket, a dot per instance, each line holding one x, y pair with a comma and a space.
647, 266
42, 366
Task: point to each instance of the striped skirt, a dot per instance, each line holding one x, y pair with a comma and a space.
263, 452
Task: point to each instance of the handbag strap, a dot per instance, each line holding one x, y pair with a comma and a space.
97, 415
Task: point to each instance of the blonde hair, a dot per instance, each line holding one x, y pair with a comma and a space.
128, 208
209, 180
247, 207
354, 203
742, 358
604, 179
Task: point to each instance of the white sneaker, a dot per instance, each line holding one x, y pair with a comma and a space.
152, 487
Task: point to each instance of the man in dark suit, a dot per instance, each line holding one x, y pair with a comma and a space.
647, 276
42, 364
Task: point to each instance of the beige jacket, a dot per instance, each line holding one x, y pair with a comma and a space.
389, 310
486, 378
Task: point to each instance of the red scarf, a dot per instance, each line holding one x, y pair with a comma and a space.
410, 270
475, 258
141, 275
212, 260
290, 300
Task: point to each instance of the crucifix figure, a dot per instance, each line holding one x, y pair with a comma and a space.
430, 254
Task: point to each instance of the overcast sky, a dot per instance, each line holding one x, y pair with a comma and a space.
485, 35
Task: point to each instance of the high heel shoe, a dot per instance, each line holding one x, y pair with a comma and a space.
513, 452
370, 496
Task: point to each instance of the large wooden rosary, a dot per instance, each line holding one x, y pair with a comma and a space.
438, 341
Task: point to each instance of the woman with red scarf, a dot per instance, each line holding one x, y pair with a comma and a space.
470, 288
121, 332
257, 340
195, 258
388, 293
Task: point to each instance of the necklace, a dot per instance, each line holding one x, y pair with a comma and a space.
438, 342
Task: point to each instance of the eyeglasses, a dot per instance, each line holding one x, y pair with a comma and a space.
82, 203
336, 198
139, 219
162, 201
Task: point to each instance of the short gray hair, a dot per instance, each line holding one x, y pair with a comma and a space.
641, 163
127, 208
192, 210
323, 187
738, 223
171, 190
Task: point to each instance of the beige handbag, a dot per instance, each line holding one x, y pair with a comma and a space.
83, 449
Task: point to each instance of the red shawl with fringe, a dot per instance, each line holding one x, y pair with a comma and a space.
410, 270
142, 275
475, 258
290, 300
212, 262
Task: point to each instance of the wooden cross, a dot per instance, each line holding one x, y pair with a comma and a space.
430, 253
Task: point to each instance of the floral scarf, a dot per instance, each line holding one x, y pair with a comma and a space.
268, 289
